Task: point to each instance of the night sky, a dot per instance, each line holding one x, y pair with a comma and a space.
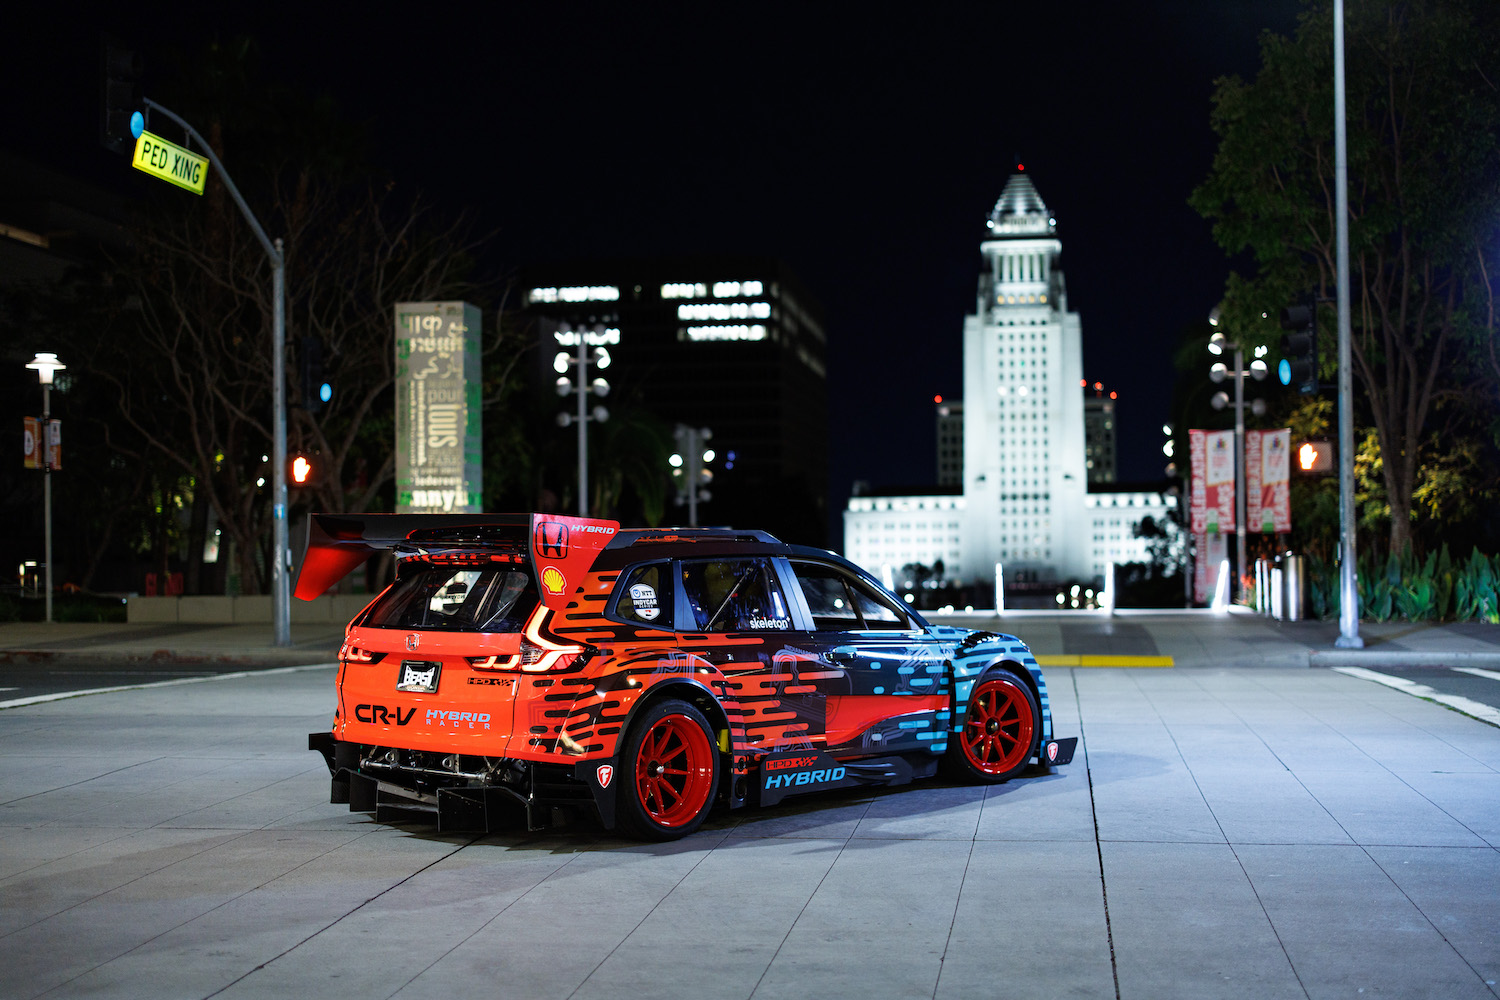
864, 145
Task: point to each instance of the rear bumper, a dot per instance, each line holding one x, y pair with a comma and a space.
461, 793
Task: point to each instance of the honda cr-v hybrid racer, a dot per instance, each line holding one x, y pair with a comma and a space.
524, 666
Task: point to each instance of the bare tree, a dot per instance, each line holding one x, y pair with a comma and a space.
193, 367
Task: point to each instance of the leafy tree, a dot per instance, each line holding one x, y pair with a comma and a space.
1424, 157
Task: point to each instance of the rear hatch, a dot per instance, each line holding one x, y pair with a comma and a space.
433, 663
430, 665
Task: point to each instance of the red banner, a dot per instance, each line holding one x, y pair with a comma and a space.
1267, 474
1211, 503
31, 440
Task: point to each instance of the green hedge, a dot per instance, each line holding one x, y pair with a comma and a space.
65, 608
1403, 587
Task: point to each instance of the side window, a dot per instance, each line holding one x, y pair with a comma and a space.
876, 612
646, 596
828, 597
841, 602
735, 595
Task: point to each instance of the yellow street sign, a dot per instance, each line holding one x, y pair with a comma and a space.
170, 162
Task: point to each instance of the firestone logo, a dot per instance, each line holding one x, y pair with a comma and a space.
604, 774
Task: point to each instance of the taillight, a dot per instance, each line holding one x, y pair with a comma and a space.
493, 662
353, 654
537, 653
532, 658
539, 659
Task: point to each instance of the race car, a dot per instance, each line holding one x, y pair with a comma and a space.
523, 668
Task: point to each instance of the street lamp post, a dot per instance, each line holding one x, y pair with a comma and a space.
45, 366
581, 385
1218, 344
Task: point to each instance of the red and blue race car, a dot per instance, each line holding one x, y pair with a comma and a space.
522, 667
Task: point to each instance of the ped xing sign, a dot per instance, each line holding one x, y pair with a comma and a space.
170, 162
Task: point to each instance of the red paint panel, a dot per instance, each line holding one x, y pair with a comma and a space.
850, 715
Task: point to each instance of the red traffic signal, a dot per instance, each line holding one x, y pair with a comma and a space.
1315, 456
302, 470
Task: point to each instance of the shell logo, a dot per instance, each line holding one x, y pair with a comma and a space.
552, 580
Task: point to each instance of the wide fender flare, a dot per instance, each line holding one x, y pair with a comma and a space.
976, 668
693, 689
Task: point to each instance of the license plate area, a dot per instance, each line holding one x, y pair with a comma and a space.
419, 676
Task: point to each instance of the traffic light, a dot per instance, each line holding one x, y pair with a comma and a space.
120, 95
303, 471
316, 389
1315, 455
1299, 348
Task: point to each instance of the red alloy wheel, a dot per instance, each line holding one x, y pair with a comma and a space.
1000, 727
674, 771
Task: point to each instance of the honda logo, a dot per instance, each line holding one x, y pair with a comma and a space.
552, 540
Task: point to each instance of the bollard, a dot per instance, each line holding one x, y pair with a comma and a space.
1294, 576
1278, 589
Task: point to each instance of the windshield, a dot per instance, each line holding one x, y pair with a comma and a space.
457, 598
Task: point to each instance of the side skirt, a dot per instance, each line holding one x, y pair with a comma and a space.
800, 772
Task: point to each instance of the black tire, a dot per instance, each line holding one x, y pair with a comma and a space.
1000, 730
669, 773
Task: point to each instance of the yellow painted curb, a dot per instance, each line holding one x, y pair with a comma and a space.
1091, 660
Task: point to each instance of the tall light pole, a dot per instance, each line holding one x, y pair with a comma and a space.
1218, 344
1348, 590
45, 365
581, 386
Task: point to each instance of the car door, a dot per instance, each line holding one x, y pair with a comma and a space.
898, 697
744, 626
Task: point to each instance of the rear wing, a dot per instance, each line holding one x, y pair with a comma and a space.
560, 549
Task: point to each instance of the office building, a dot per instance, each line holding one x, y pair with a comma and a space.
732, 344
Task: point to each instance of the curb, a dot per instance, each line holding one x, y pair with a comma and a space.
1401, 658
202, 658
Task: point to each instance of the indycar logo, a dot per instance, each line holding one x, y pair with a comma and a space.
373, 714
643, 599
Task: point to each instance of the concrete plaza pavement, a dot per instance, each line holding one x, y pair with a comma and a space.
1227, 831
1183, 638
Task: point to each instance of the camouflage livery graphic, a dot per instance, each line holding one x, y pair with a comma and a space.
524, 668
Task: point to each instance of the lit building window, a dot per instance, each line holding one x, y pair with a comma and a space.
575, 293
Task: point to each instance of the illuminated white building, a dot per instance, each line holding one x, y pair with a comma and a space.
1025, 502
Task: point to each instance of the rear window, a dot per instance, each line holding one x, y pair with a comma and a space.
457, 598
